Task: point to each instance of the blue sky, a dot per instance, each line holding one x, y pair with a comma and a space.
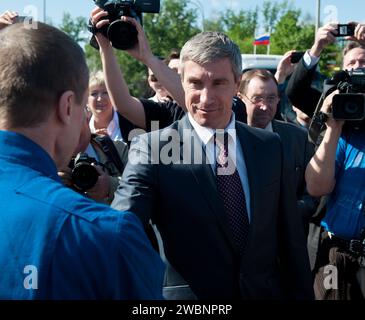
339, 10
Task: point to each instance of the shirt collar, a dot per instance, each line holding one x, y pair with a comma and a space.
22, 150
112, 128
269, 127
206, 134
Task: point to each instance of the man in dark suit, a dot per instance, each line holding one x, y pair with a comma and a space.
259, 91
225, 216
299, 89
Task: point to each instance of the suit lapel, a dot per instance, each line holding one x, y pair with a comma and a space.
206, 182
250, 156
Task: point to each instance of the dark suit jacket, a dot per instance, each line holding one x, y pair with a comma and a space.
298, 151
182, 200
300, 91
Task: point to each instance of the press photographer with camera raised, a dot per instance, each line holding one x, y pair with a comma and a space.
299, 89
141, 112
130, 107
338, 170
97, 165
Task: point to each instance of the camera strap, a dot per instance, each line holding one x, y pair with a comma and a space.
108, 147
91, 27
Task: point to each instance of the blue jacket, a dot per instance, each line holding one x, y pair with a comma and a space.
57, 244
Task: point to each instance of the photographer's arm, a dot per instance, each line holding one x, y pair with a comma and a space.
165, 75
324, 37
320, 172
285, 67
359, 33
6, 18
127, 105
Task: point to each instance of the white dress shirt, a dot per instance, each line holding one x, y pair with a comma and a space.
206, 135
113, 128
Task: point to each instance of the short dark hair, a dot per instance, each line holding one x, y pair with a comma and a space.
263, 74
36, 67
352, 45
174, 54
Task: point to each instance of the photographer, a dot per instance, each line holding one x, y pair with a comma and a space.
109, 159
338, 169
141, 112
299, 89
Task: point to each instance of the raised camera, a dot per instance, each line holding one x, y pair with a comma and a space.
344, 30
84, 175
349, 106
296, 56
123, 35
21, 19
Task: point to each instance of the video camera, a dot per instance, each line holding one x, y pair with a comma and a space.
84, 175
123, 35
348, 105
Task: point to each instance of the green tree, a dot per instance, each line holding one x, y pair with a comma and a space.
272, 12
172, 27
74, 27
241, 26
289, 34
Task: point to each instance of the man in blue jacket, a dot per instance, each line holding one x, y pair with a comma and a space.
55, 243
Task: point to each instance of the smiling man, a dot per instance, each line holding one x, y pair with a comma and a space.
225, 234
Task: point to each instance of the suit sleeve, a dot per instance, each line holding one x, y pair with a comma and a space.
307, 205
137, 190
292, 242
300, 91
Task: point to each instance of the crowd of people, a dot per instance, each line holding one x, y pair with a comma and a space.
203, 191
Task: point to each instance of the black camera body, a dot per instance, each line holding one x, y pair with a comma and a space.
84, 175
349, 104
123, 35
344, 30
296, 56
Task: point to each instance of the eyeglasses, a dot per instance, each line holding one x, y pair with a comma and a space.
101, 94
153, 78
256, 100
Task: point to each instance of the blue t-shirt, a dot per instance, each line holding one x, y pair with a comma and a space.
57, 244
346, 206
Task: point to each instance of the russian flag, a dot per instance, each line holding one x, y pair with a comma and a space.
264, 40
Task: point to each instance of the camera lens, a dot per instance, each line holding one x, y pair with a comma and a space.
351, 108
84, 176
123, 35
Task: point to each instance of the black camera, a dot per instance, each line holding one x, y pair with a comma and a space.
22, 19
84, 175
296, 56
349, 104
123, 35
344, 30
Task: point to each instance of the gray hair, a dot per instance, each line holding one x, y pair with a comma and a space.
210, 46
